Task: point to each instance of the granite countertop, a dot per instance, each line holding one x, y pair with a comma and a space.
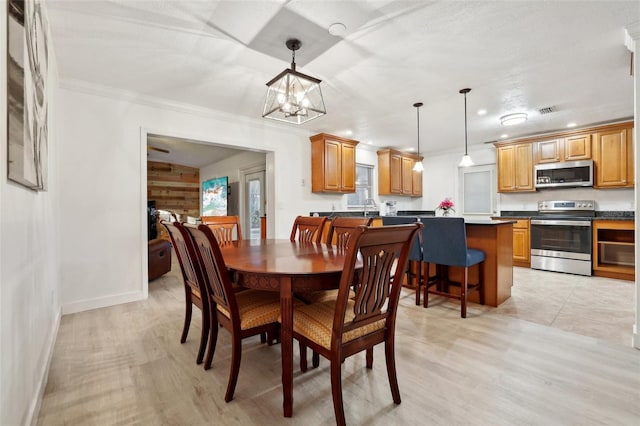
488, 221
600, 215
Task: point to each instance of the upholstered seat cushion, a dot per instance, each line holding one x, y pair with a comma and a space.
256, 308
474, 256
316, 320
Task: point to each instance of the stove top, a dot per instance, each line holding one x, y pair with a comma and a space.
569, 208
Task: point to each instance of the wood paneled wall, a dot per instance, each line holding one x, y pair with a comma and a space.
174, 187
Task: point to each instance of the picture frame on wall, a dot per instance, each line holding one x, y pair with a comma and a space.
214, 196
27, 98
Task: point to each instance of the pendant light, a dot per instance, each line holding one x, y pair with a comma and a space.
418, 167
292, 96
466, 159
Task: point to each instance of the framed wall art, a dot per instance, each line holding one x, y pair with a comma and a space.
27, 112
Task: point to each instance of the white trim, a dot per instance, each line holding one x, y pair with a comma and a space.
103, 302
144, 237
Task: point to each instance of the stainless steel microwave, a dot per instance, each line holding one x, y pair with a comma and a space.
564, 174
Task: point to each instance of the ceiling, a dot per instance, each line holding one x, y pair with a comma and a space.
186, 152
516, 56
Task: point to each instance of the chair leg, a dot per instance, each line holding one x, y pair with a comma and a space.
187, 315
370, 357
463, 293
236, 357
303, 356
315, 359
418, 283
336, 391
481, 281
263, 337
389, 351
213, 340
204, 335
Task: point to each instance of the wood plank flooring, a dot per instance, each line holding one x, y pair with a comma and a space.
124, 365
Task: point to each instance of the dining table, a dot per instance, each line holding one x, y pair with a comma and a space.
287, 267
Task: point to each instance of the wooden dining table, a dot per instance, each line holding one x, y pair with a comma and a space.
286, 267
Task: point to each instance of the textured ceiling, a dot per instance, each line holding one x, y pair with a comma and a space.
517, 56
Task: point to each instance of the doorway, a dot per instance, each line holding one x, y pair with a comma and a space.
254, 202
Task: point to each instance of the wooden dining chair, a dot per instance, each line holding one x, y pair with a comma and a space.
223, 227
444, 243
243, 314
340, 328
341, 228
194, 293
308, 229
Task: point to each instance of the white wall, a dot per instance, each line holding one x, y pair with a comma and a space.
29, 269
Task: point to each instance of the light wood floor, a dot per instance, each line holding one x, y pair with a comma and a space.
124, 365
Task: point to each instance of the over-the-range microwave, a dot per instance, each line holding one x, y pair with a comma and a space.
564, 174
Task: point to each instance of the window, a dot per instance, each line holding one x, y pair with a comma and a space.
364, 186
477, 187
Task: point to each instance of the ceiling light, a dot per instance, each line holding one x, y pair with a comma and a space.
466, 158
504, 135
337, 29
418, 167
482, 111
348, 132
571, 125
292, 96
513, 119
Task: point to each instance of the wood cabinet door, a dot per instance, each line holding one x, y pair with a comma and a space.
417, 184
395, 174
524, 167
407, 175
521, 245
348, 168
577, 147
332, 166
611, 160
548, 151
506, 169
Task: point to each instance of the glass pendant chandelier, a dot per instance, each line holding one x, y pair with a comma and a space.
292, 96
466, 158
418, 167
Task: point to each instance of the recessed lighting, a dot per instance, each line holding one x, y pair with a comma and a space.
513, 119
504, 135
482, 111
369, 142
337, 29
348, 132
571, 125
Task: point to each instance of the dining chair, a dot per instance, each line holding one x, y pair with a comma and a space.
416, 251
341, 228
194, 293
225, 228
444, 242
340, 328
244, 314
308, 228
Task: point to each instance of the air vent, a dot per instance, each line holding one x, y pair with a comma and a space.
546, 110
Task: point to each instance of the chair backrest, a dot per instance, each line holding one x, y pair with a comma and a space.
214, 272
343, 227
308, 228
444, 241
376, 298
416, 247
186, 258
223, 227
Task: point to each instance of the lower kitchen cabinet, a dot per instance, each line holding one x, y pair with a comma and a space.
521, 243
614, 249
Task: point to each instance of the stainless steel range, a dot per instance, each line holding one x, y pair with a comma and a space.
561, 236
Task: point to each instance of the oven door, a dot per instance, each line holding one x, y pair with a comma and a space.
568, 239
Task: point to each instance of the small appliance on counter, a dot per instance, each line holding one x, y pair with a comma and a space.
391, 208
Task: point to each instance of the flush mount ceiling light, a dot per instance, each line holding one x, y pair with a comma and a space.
513, 119
418, 167
292, 96
466, 158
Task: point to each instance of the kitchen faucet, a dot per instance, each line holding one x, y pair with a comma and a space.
369, 202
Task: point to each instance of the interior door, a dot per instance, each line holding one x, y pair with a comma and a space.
254, 204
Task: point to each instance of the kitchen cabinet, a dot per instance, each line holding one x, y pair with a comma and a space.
613, 158
614, 249
548, 151
521, 243
571, 148
515, 168
333, 164
577, 147
396, 175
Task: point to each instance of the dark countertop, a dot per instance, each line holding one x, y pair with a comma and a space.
600, 215
373, 213
488, 221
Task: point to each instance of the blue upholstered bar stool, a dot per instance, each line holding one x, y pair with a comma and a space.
444, 243
416, 249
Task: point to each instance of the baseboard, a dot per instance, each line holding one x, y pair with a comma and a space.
102, 302
34, 408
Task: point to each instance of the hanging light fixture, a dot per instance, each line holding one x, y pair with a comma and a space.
418, 167
292, 96
466, 158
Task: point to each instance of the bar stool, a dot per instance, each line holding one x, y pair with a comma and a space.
444, 243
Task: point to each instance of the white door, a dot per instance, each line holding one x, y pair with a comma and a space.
254, 203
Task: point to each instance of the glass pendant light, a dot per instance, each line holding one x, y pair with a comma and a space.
466, 158
418, 167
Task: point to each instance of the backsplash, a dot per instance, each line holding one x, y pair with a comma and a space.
605, 199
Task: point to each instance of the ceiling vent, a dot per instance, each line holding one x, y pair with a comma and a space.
546, 110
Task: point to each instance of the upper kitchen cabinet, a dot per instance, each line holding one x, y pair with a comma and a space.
396, 175
577, 147
571, 148
515, 168
333, 164
548, 151
613, 158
